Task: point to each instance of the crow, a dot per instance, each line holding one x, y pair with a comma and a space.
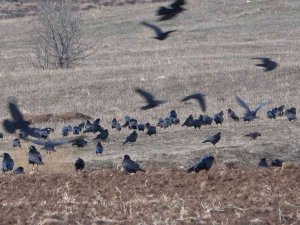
291, 114
189, 121
151, 129
218, 118
102, 136
131, 138
65, 131
160, 34
231, 115
34, 157
169, 13
16, 143
250, 114
199, 97
151, 101
213, 139
205, 163
19, 170
80, 142
277, 162
253, 135
7, 163
263, 163
267, 63
131, 166
99, 148
79, 164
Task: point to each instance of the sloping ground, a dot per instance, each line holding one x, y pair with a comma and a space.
21, 8
57, 117
239, 196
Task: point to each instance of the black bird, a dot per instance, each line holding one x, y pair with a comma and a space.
207, 120
19, 170
213, 139
197, 123
271, 114
16, 143
160, 35
133, 124
280, 110
131, 166
34, 156
50, 145
189, 121
291, 114
277, 162
141, 127
115, 124
218, 118
173, 114
199, 97
131, 138
151, 101
18, 122
1, 135
250, 114
151, 129
231, 115
99, 148
79, 164
267, 63
253, 135
80, 142
76, 130
65, 131
7, 163
205, 163
263, 163
102, 136
94, 127
173, 10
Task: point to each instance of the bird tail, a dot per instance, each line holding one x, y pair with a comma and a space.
205, 141
190, 169
125, 142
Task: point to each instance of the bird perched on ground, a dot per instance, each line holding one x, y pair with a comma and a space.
34, 157
102, 136
141, 127
207, 120
7, 163
280, 110
213, 139
19, 170
277, 162
253, 135
267, 64
150, 129
263, 163
16, 143
160, 34
250, 114
218, 118
94, 127
131, 138
65, 131
151, 101
131, 166
76, 130
271, 114
205, 163
79, 164
189, 121
231, 115
173, 10
115, 124
197, 123
291, 113
1, 135
80, 142
199, 97
99, 148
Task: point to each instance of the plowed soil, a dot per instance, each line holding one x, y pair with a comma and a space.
166, 196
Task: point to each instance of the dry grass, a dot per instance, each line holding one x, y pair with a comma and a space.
211, 52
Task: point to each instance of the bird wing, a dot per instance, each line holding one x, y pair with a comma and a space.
262, 104
132, 165
242, 103
35, 157
157, 30
163, 11
15, 112
177, 3
149, 97
199, 97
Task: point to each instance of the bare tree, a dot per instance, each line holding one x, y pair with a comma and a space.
58, 41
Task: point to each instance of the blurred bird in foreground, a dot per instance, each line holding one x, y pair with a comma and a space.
160, 34
199, 97
267, 64
151, 101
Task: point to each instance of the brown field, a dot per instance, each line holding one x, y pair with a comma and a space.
211, 53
